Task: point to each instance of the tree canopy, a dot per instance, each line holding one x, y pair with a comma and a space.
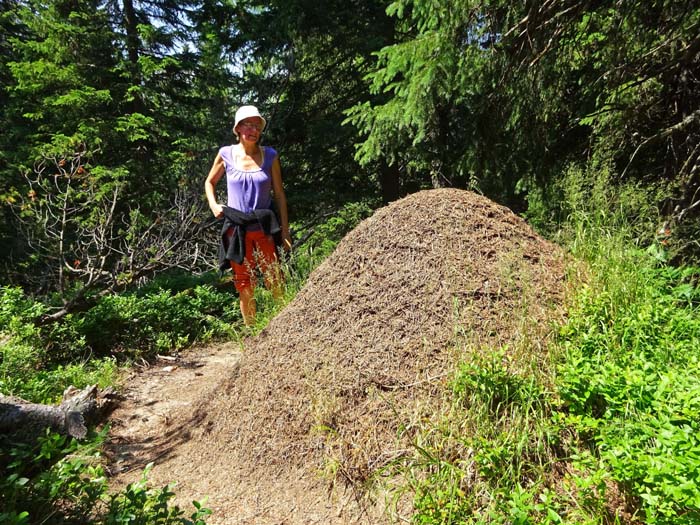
366, 101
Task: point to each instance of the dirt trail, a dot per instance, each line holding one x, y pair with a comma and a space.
157, 410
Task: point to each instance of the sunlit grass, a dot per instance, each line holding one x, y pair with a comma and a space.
602, 431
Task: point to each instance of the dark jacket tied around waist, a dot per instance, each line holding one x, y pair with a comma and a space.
233, 248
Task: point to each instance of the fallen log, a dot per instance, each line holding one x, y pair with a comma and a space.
77, 410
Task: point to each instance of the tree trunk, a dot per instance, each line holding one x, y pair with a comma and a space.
389, 182
440, 139
132, 35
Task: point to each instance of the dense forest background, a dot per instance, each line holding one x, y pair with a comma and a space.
112, 112
582, 116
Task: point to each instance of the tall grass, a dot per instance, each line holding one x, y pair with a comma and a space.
605, 428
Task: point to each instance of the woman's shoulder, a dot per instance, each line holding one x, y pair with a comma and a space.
270, 152
225, 151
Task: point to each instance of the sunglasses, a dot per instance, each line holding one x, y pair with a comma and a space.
250, 125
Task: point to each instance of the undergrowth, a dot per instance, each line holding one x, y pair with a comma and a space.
58, 480
605, 428
37, 362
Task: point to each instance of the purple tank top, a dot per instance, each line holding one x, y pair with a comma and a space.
249, 190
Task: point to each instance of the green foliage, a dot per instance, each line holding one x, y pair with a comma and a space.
59, 480
138, 504
54, 476
587, 203
39, 362
26, 372
159, 321
17, 311
630, 382
36, 363
489, 382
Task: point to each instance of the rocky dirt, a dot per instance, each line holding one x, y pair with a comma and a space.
292, 429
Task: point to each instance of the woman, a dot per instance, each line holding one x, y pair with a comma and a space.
253, 179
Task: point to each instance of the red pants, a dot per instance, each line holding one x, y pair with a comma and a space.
260, 253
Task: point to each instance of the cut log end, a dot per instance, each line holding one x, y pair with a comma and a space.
26, 421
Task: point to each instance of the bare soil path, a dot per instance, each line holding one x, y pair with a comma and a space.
157, 412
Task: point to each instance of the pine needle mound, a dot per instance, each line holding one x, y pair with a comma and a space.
340, 376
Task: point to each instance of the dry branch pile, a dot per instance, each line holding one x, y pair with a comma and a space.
367, 343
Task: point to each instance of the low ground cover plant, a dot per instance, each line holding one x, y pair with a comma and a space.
58, 480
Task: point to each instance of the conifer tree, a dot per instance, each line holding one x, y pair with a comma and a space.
139, 113
305, 65
501, 96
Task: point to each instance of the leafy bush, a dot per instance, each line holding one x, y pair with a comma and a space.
18, 312
37, 362
29, 364
138, 504
58, 480
56, 476
589, 203
160, 321
631, 382
24, 374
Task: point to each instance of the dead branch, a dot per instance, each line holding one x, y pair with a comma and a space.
690, 119
95, 243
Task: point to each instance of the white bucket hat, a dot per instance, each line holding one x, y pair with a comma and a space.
245, 112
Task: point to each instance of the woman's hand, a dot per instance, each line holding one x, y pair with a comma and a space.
217, 209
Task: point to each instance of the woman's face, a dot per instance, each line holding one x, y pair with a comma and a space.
249, 129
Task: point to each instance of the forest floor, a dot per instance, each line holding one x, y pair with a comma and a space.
156, 409
303, 423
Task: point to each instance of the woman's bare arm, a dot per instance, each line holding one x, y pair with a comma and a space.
215, 173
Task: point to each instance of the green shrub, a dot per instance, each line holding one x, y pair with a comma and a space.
25, 374
589, 198
631, 383
132, 324
138, 504
18, 313
30, 366
158, 322
58, 480
488, 382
